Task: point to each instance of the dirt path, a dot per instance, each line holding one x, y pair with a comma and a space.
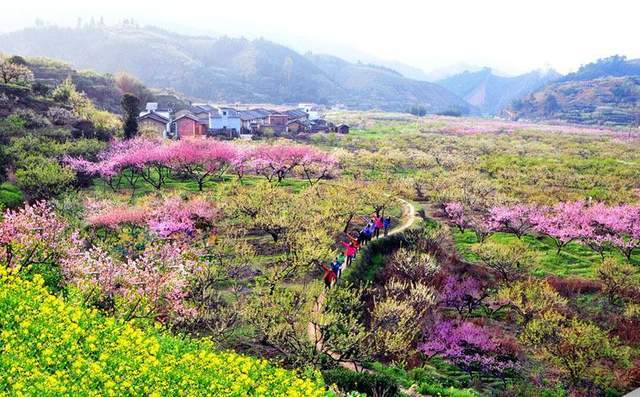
313, 331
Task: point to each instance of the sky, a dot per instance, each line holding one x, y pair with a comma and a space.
513, 36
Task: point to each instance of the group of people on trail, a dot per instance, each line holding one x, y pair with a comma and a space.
374, 225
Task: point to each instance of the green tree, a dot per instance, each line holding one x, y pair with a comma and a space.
617, 278
43, 178
550, 105
131, 107
583, 351
510, 261
530, 298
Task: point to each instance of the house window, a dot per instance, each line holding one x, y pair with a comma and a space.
224, 113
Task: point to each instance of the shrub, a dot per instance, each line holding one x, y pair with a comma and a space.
52, 347
16, 121
572, 286
61, 116
42, 178
31, 119
412, 265
370, 383
510, 262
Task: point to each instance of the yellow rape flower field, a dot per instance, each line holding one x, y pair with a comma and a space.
50, 347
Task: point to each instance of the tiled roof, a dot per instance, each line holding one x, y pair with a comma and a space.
187, 115
231, 112
296, 113
154, 116
248, 115
264, 112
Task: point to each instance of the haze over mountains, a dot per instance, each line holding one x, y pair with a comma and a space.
492, 93
231, 69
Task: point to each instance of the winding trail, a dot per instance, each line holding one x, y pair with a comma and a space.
313, 331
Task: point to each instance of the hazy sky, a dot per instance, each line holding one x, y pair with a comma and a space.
512, 36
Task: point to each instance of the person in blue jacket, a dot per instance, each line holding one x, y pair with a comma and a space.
337, 268
386, 223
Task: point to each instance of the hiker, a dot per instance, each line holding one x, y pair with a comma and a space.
362, 236
329, 276
370, 229
340, 259
378, 224
386, 224
354, 241
337, 268
350, 251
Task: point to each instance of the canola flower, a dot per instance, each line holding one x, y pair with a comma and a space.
49, 347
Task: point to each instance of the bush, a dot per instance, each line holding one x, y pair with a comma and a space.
10, 196
439, 390
61, 116
31, 119
16, 121
364, 382
42, 178
572, 286
52, 347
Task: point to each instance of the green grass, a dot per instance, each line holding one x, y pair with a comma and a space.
435, 378
10, 195
575, 259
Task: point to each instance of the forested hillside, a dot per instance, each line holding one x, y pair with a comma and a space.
606, 92
227, 69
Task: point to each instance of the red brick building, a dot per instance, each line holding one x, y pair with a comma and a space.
189, 125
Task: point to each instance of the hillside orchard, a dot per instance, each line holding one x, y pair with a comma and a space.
164, 266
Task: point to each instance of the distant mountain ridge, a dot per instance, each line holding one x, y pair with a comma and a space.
230, 69
492, 93
614, 66
605, 92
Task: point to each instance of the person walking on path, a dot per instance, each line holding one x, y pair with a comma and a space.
340, 259
378, 225
337, 268
354, 241
370, 230
329, 276
350, 251
386, 224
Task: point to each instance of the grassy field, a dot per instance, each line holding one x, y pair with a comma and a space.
575, 259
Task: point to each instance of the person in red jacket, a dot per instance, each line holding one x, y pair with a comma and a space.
350, 251
329, 276
354, 241
378, 224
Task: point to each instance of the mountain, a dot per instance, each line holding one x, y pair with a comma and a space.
606, 92
444, 72
492, 93
229, 69
378, 84
614, 66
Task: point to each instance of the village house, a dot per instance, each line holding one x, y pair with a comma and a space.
298, 126
297, 114
154, 120
253, 119
277, 122
225, 119
342, 129
312, 110
201, 120
187, 125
